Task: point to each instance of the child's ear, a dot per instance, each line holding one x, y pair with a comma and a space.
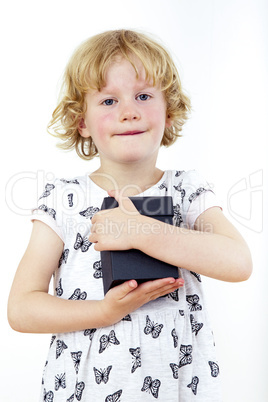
169, 122
82, 128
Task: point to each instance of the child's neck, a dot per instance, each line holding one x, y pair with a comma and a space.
131, 181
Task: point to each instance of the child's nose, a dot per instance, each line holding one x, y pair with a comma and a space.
129, 112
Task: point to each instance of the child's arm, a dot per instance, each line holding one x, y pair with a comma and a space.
214, 248
220, 252
32, 309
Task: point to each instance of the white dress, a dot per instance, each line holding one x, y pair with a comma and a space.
165, 349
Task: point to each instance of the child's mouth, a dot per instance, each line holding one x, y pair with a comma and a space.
132, 133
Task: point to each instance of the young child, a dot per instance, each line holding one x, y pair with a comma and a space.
122, 99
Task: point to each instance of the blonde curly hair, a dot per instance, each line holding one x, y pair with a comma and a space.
86, 71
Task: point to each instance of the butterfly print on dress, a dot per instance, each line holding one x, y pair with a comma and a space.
163, 186
78, 295
70, 200
193, 384
194, 195
52, 340
186, 355
89, 212
151, 386
76, 356
60, 381
48, 188
177, 215
102, 375
79, 388
64, 257
127, 318
49, 211
114, 397
136, 353
180, 190
175, 337
82, 243
193, 300
174, 295
195, 325
175, 370
98, 269
48, 396
59, 290
90, 332
197, 276
75, 181
214, 369
60, 348
152, 328
106, 340
44, 370
78, 392
178, 173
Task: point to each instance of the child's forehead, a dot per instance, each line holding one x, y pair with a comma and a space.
121, 68
132, 68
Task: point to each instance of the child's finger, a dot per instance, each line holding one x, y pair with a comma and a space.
166, 289
158, 284
114, 193
122, 290
125, 204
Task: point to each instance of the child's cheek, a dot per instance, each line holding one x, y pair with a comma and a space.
104, 125
158, 116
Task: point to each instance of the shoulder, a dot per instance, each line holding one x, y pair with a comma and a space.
56, 185
74, 183
190, 180
191, 194
62, 190
59, 195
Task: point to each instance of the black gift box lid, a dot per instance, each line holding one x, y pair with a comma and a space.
120, 266
149, 206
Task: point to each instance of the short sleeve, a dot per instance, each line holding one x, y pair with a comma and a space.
49, 209
198, 196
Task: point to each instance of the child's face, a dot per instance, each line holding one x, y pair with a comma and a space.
126, 118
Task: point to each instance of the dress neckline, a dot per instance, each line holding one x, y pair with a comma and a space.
144, 193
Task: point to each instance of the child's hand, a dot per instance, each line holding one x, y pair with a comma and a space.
116, 229
128, 297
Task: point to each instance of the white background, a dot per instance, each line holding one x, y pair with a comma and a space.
221, 48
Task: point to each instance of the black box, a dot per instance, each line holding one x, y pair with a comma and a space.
121, 266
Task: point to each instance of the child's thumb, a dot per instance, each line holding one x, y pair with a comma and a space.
115, 194
125, 288
124, 202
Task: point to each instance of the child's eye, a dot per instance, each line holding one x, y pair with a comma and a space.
143, 97
108, 102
